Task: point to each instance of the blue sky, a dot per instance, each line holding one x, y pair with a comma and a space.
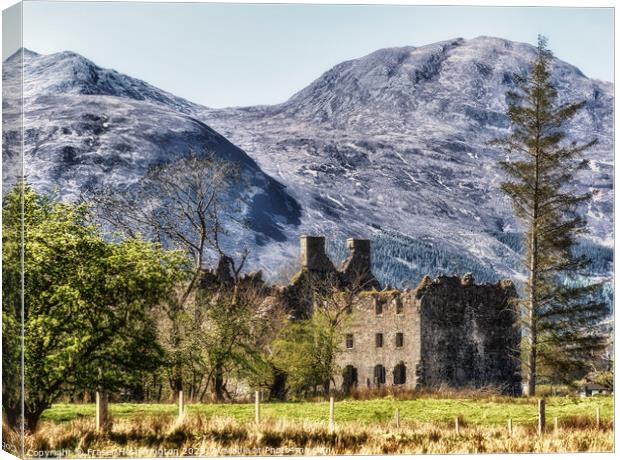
230, 55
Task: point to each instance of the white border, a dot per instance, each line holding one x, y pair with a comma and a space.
497, 3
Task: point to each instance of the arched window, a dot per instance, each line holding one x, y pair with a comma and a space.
400, 374
349, 378
379, 375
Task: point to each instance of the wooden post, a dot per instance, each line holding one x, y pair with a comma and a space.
598, 418
181, 404
101, 418
457, 425
397, 416
556, 426
257, 407
331, 414
510, 427
541, 416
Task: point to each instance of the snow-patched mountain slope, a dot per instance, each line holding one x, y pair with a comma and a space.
398, 140
70, 73
392, 146
85, 126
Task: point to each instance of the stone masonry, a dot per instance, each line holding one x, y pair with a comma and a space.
372, 363
448, 332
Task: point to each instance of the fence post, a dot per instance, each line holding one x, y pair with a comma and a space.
598, 418
331, 414
101, 417
541, 416
397, 417
457, 425
257, 407
556, 426
181, 405
510, 427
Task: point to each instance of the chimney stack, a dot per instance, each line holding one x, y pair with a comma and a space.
313, 255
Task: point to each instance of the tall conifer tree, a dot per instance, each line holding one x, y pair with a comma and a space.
559, 307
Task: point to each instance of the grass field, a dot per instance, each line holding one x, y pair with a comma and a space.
491, 411
362, 427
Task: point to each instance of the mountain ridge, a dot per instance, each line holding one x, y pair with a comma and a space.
85, 126
397, 140
391, 146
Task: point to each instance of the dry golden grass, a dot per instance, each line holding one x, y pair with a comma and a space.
200, 435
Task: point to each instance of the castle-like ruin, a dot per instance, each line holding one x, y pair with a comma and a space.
448, 332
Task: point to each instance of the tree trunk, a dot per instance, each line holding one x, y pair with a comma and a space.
31, 418
177, 379
326, 387
277, 391
219, 382
533, 284
530, 389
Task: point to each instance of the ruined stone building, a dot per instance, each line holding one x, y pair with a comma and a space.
448, 332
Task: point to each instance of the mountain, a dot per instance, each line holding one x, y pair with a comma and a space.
392, 146
87, 126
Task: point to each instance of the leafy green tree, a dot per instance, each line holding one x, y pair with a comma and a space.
12, 308
87, 301
559, 317
234, 326
307, 350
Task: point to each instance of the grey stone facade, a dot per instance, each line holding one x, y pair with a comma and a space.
399, 313
469, 334
448, 332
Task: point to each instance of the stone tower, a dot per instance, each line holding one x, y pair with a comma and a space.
312, 253
356, 269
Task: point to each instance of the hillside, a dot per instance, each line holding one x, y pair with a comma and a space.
392, 146
397, 141
85, 126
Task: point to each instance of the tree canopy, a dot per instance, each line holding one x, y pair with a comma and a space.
87, 300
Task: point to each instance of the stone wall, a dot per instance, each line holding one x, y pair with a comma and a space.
318, 274
364, 323
456, 333
469, 334
313, 256
356, 271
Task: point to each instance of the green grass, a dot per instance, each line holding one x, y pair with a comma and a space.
479, 411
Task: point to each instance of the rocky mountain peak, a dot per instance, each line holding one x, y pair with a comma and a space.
70, 73
440, 79
392, 146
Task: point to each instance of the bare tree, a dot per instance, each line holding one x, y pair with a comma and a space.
185, 205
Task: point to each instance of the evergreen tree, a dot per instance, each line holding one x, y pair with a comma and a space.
558, 316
